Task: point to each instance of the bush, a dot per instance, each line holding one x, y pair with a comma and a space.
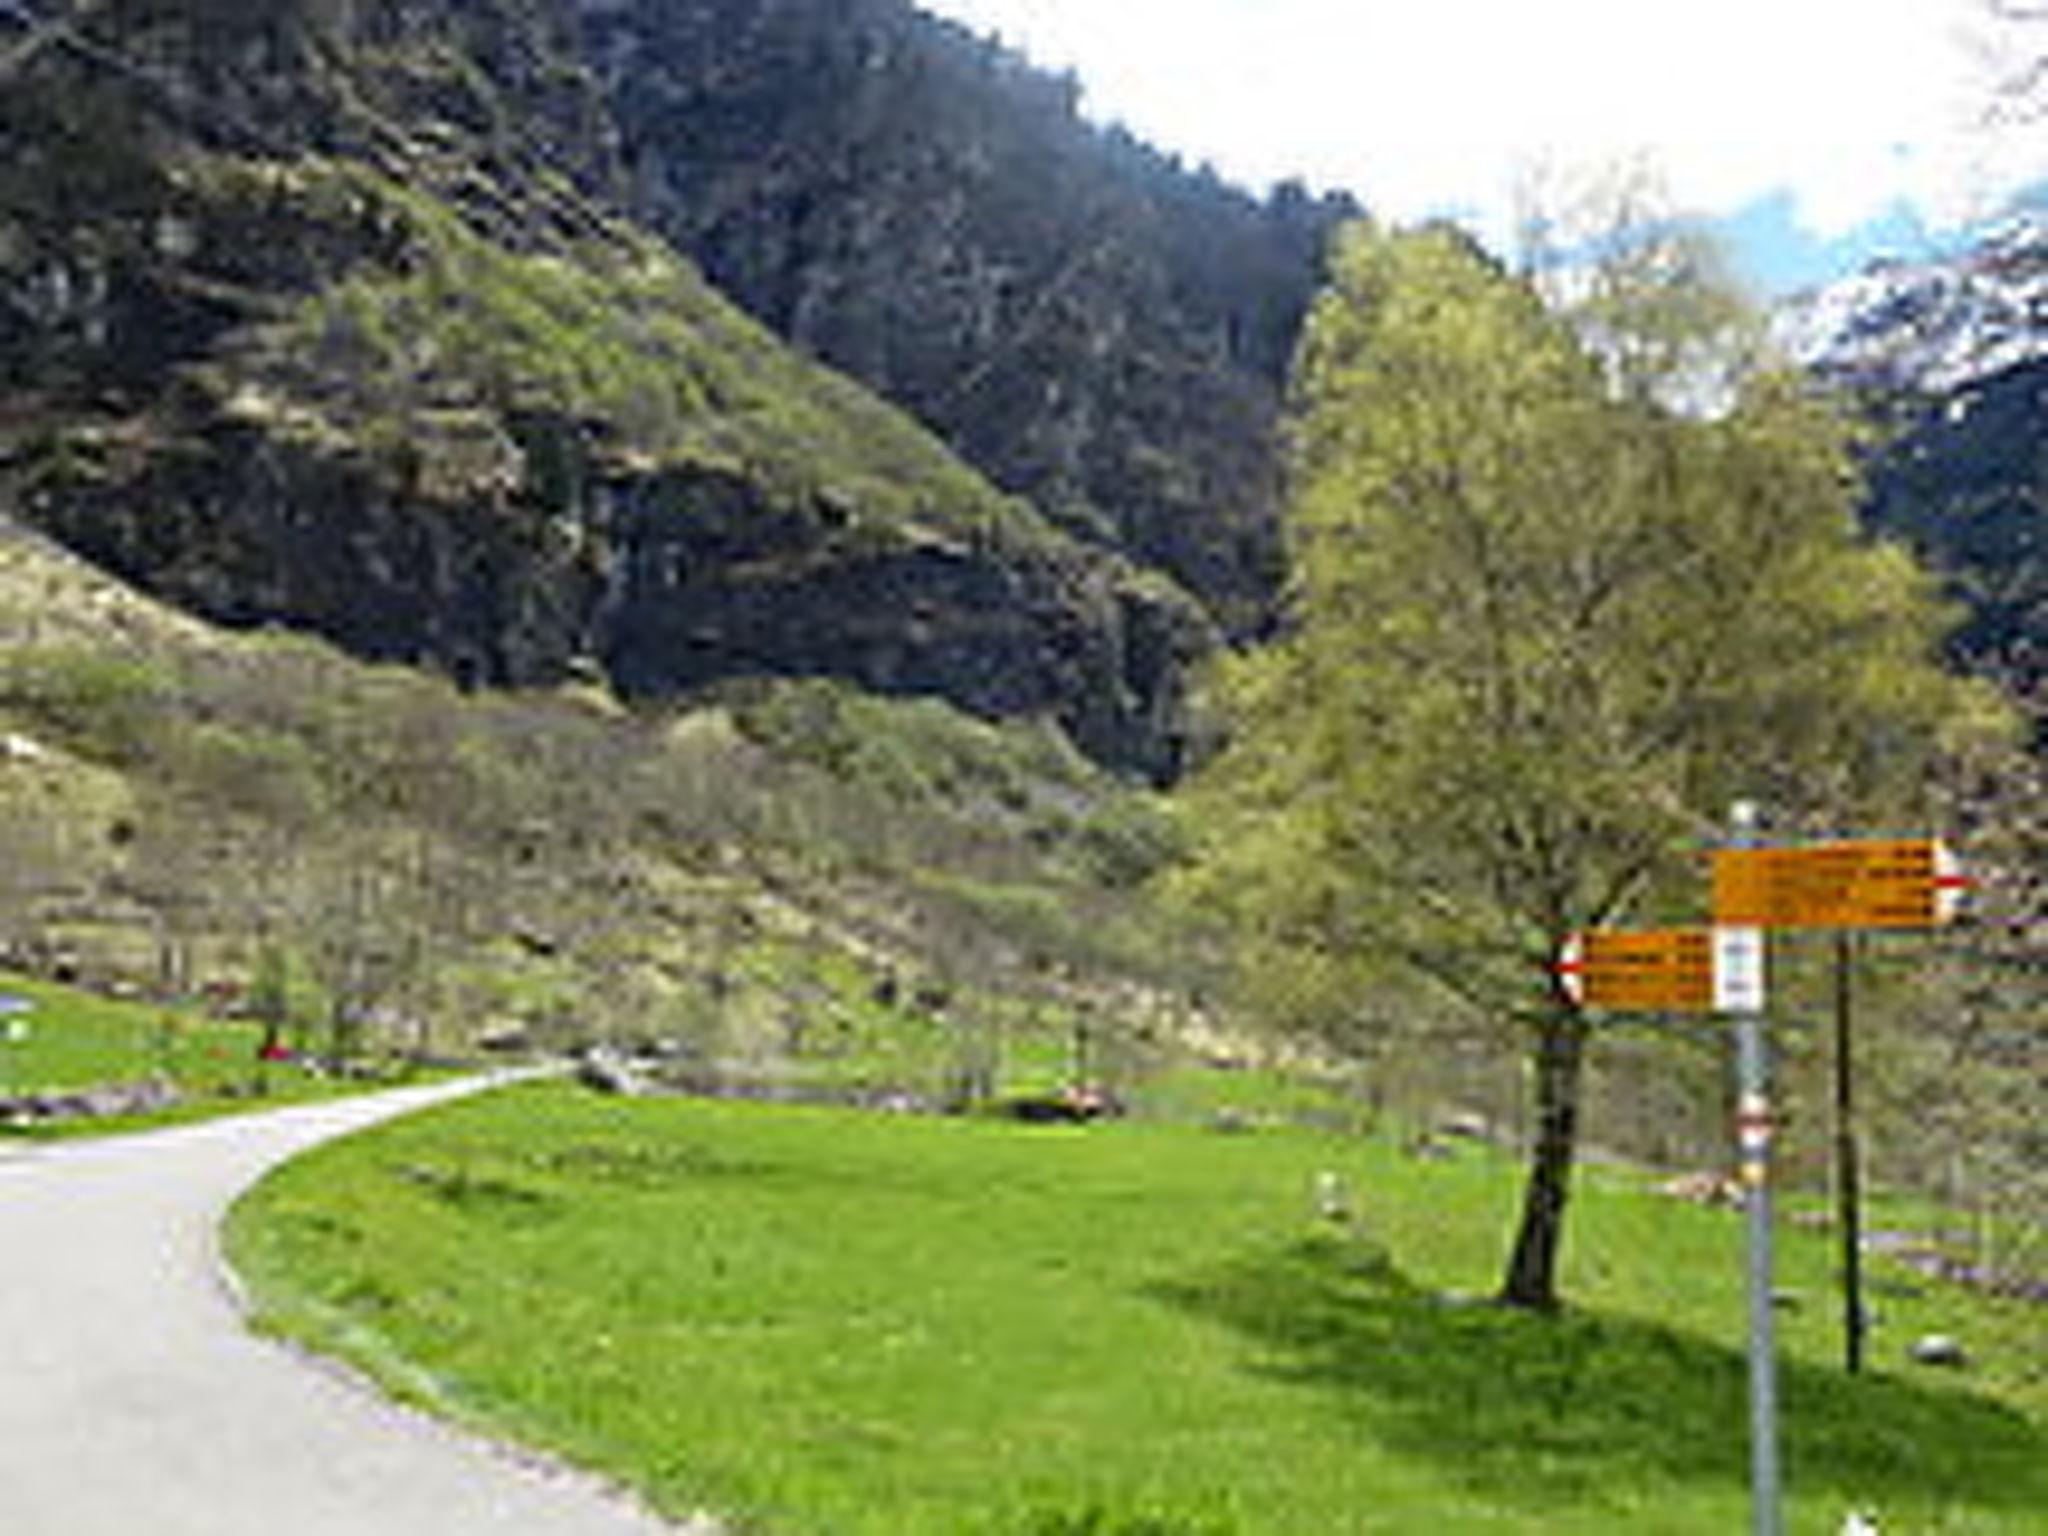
102, 706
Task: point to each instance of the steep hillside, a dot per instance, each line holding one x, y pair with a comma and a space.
1966, 480
324, 314
381, 319
1951, 356
794, 879
1092, 325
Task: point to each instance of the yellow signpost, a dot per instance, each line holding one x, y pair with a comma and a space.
1844, 886
1655, 970
1896, 883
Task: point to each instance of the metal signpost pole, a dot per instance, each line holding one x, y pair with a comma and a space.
1849, 1213
1842, 885
1739, 991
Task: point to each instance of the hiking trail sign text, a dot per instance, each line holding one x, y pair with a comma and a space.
1899, 883
1653, 970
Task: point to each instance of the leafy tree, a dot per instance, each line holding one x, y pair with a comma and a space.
1545, 627
1966, 1058
32, 867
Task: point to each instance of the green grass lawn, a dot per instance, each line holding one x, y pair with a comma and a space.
74, 1040
822, 1322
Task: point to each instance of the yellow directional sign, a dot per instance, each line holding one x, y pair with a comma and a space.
1901, 883
1655, 970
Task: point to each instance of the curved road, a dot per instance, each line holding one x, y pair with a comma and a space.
133, 1401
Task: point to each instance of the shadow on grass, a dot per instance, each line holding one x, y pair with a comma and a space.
1535, 1409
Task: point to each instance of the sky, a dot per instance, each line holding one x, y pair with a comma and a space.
1821, 131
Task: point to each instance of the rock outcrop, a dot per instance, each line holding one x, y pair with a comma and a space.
1951, 356
333, 316
1089, 323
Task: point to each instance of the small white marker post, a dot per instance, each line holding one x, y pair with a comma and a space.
13, 1026
1739, 991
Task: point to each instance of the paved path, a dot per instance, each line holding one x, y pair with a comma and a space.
133, 1403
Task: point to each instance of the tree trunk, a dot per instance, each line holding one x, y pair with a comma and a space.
1531, 1279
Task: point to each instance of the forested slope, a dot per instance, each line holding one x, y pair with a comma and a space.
333, 316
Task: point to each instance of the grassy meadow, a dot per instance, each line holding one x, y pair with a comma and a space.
822, 1321
71, 1040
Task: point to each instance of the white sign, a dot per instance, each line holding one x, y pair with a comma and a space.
1738, 970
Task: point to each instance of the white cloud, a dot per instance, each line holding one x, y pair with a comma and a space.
1420, 107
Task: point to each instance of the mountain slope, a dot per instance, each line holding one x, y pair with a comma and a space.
1934, 325
1951, 357
1092, 325
322, 314
182, 805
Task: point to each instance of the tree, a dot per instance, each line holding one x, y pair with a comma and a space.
32, 867
1544, 628
1969, 1046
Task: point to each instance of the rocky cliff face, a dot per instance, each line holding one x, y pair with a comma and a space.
1966, 480
1952, 357
1089, 324
327, 313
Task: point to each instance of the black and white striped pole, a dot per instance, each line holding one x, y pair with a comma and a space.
1739, 993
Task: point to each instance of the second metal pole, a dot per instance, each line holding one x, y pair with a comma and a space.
1849, 1201
1754, 1132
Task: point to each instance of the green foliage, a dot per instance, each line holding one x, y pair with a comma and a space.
284, 995
436, 363
1545, 632
249, 769
1002, 828
945, 1326
76, 1040
1129, 839
1548, 626
914, 750
404, 861
1046, 927
104, 703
